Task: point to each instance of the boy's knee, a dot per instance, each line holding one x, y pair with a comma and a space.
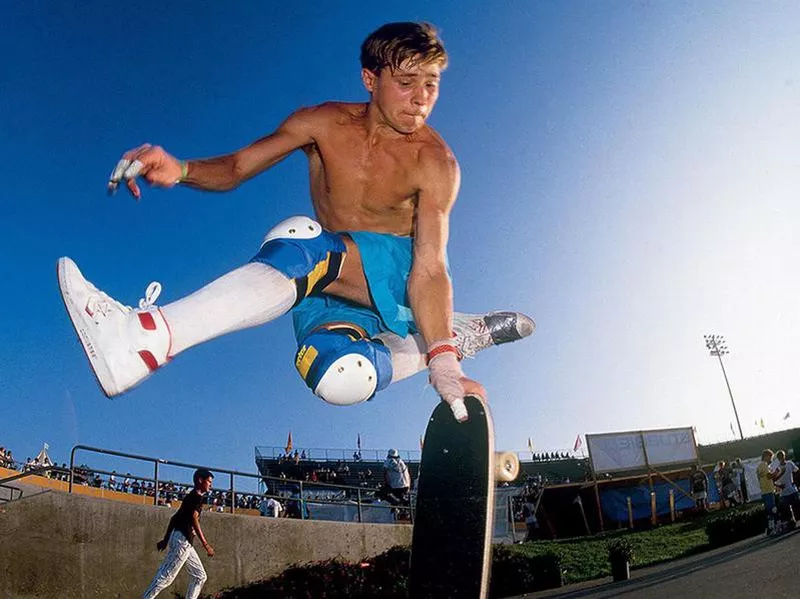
342, 369
299, 248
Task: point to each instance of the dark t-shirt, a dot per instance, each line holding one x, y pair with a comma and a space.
698, 482
182, 520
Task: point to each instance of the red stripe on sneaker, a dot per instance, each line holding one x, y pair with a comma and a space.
149, 359
147, 321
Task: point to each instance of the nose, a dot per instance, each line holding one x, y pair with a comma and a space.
420, 96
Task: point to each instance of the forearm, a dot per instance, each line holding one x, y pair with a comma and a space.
199, 532
431, 297
213, 174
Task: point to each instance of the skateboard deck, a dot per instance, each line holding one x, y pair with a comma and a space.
453, 522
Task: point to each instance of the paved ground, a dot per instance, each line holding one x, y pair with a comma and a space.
761, 567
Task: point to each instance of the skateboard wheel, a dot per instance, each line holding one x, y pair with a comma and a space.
506, 466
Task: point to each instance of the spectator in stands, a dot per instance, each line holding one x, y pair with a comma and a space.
727, 489
270, 507
789, 502
297, 506
179, 536
396, 479
529, 513
698, 483
112, 481
738, 479
766, 483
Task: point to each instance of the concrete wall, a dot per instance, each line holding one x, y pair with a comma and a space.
70, 546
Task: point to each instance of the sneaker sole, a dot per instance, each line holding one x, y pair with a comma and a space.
99, 367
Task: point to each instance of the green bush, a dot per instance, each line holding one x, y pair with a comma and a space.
620, 549
386, 577
735, 525
514, 573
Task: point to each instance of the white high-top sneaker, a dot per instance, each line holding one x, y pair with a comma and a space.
476, 332
124, 345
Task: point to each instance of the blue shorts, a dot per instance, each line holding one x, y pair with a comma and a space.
387, 263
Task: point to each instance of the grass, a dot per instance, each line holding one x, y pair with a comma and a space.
587, 558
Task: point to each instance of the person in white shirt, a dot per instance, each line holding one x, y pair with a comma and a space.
789, 504
270, 507
396, 478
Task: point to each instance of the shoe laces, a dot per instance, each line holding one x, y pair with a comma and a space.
101, 303
472, 334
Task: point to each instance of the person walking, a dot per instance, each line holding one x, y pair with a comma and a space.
183, 526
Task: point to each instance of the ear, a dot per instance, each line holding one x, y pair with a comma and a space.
369, 79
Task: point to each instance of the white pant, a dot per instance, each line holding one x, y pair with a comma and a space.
179, 552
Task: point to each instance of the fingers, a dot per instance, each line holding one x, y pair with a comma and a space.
133, 163
448, 380
473, 388
459, 409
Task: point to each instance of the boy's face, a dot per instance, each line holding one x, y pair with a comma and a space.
406, 96
204, 486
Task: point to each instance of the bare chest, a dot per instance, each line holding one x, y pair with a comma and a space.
366, 186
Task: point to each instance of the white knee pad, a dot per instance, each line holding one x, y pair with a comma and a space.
349, 380
295, 227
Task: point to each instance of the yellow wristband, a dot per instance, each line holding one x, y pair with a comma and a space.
184, 170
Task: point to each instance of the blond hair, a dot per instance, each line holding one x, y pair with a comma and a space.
394, 44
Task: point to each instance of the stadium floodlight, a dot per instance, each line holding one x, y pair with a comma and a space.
717, 348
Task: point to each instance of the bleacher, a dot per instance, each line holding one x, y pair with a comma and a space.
364, 473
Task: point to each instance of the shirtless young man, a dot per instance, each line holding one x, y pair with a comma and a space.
367, 281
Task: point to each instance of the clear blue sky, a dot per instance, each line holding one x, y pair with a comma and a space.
630, 179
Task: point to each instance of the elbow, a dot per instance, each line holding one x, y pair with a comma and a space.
237, 174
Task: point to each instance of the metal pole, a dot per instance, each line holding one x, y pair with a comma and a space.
716, 344
155, 494
233, 496
735, 412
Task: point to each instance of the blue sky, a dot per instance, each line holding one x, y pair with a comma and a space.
630, 176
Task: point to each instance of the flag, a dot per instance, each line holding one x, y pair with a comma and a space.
788, 415
530, 444
358, 441
761, 422
578, 443
289, 443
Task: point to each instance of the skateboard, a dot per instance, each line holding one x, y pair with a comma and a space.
454, 518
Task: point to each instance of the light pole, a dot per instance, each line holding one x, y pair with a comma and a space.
716, 346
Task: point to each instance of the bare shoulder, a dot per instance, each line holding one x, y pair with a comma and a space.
439, 173
333, 113
435, 156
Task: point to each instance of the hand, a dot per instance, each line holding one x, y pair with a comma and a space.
151, 162
209, 550
450, 383
161, 545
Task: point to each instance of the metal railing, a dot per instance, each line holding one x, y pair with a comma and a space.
357, 494
30, 472
315, 454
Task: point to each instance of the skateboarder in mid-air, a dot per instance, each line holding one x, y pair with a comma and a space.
367, 280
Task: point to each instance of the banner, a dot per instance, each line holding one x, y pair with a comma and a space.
636, 450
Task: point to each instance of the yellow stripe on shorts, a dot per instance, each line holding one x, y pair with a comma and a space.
305, 358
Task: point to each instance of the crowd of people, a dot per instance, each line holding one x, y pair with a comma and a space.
777, 479
552, 455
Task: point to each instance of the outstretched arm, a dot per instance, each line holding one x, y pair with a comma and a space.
429, 287
221, 173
